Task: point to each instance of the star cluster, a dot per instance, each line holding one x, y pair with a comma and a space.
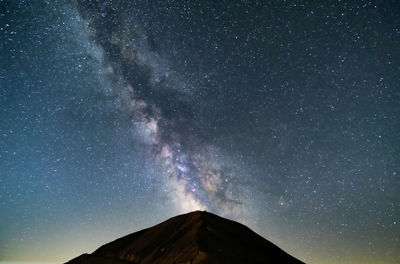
283, 115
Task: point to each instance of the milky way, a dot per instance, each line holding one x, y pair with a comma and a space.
159, 102
283, 115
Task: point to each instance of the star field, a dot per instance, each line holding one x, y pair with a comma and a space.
283, 115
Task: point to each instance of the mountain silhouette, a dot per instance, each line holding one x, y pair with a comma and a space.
196, 237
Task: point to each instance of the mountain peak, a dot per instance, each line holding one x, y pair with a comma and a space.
196, 237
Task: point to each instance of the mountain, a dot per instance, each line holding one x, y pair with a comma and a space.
196, 237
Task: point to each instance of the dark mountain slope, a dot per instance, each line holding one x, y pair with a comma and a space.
197, 237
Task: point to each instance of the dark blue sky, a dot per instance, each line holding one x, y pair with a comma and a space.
284, 116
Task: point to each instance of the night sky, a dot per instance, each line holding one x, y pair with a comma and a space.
283, 115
